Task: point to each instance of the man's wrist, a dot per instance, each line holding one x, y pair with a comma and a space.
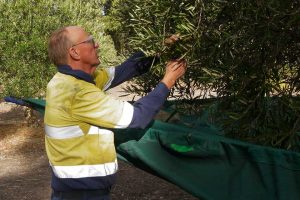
168, 82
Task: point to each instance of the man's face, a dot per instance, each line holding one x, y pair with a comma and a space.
86, 48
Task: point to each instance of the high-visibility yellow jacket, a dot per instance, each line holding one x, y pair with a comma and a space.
78, 119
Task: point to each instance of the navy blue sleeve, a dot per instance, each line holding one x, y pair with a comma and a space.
147, 107
16, 101
134, 66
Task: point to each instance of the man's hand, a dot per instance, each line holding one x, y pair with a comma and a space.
172, 39
174, 70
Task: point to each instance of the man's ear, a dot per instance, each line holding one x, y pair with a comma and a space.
74, 53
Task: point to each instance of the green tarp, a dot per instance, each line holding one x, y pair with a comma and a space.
206, 164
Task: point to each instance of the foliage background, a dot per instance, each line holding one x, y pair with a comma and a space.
246, 52
25, 26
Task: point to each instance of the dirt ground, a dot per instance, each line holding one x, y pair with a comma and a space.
24, 168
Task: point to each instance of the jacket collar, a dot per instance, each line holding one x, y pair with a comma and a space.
66, 69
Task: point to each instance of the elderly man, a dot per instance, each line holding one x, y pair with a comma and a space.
79, 114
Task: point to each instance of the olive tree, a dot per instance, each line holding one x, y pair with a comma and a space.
245, 53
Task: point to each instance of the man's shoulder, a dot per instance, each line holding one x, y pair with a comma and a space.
68, 81
62, 87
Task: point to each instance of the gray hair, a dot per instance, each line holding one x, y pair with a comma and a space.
58, 46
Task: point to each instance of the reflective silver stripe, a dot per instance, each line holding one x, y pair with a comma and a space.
111, 72
82, 171
96, 130
126, 117
63, 132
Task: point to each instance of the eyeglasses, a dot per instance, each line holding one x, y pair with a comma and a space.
90, 40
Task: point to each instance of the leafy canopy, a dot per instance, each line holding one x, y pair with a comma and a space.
244, 53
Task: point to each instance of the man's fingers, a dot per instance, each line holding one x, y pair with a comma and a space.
174, 65
182, 63
179, 68
172, 39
